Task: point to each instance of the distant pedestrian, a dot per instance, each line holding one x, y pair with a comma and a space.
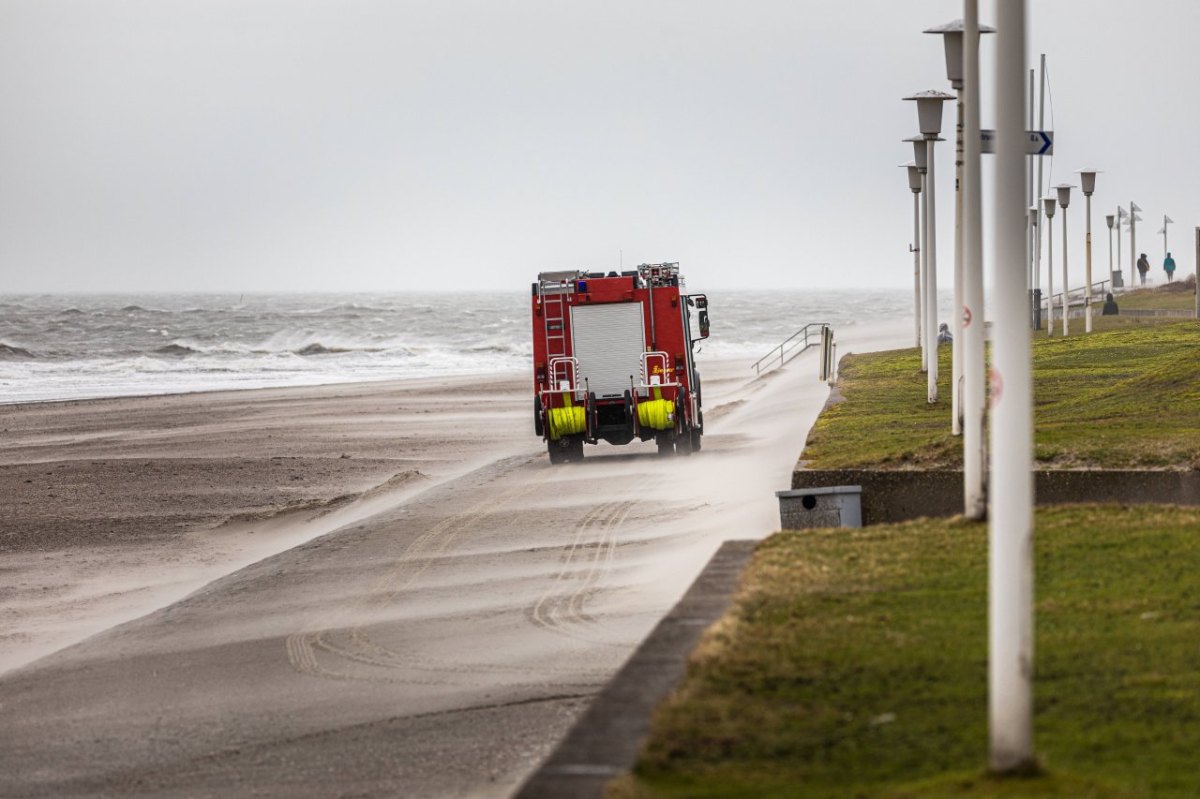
1110, 306
1143, 267
1169, 268
944, 334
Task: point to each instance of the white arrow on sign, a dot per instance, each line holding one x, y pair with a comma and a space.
1038, 142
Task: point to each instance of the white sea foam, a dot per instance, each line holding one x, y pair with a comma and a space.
72, 347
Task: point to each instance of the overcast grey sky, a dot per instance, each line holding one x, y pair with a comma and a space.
268, 145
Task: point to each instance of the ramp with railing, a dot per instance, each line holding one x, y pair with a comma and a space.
790, 347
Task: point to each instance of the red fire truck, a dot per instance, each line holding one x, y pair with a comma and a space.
613, 360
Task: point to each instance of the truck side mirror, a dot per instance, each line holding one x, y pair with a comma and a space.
701, 301
704, 324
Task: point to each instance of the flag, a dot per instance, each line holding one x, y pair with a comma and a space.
1121, 212
1133, 207
1167, 220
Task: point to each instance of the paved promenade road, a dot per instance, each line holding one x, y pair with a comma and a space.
438, 644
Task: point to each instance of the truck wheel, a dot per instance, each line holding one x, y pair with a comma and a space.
558, 453
666, 444
537, 416
575, 450
683, 443
696, 435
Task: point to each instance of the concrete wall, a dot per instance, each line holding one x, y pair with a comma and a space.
892, 496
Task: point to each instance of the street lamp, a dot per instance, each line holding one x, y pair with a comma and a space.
1064, 199
1048, 204
1110, 218
921, 159
929, 117
914, 185
954, 40
1087, 180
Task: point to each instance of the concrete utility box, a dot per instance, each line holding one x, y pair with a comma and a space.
828, 506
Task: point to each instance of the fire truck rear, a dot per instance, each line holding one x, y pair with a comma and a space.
613, 360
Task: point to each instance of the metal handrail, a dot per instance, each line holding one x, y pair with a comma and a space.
790, 345
1058, 297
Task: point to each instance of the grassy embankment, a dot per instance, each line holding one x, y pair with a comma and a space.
853, 664
1177, 296
1127, 396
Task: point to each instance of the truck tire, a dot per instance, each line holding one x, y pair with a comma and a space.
683, 443
666, 443
538, 427
575, 449
558, 453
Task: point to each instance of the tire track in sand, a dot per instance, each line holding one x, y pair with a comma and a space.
302, 648
561, 608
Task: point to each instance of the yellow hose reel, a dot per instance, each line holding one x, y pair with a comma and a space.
566, 421
657, 413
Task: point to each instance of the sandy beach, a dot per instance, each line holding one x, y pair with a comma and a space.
376, 589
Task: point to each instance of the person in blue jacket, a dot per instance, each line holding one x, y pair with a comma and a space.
1169, 267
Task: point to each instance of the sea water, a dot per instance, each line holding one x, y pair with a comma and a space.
60, 347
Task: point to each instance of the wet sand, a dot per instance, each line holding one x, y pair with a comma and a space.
217, 599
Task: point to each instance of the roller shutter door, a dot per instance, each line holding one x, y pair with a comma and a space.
608, 341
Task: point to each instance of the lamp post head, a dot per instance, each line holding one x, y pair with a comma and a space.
920, 153
1064, 194
1110, 218
1049, 204
914, 176
952, 36
929, 111
1087, 177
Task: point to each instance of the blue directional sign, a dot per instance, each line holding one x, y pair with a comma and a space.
1038, 142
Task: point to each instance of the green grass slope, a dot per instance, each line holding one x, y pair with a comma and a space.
853, 663
1124, 397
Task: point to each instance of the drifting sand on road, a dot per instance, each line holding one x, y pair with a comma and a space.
113, 508
441, 604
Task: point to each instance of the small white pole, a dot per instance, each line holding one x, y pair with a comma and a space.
974, 487
1049, 202
1010, 533
917, 264
1037, 245
926, 345
931, 314
1109, 219
1133, 240
1065, 306
1087, 289
1120, 214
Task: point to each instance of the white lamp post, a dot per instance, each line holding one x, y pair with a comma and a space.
1064, 199
1087, 181
1010, 531
1166, 221
1048, 204
974, 397
954, 40
1035, 279
929, 116
921, 159
1117, 278
1110, 218
1133, 220
914, 185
